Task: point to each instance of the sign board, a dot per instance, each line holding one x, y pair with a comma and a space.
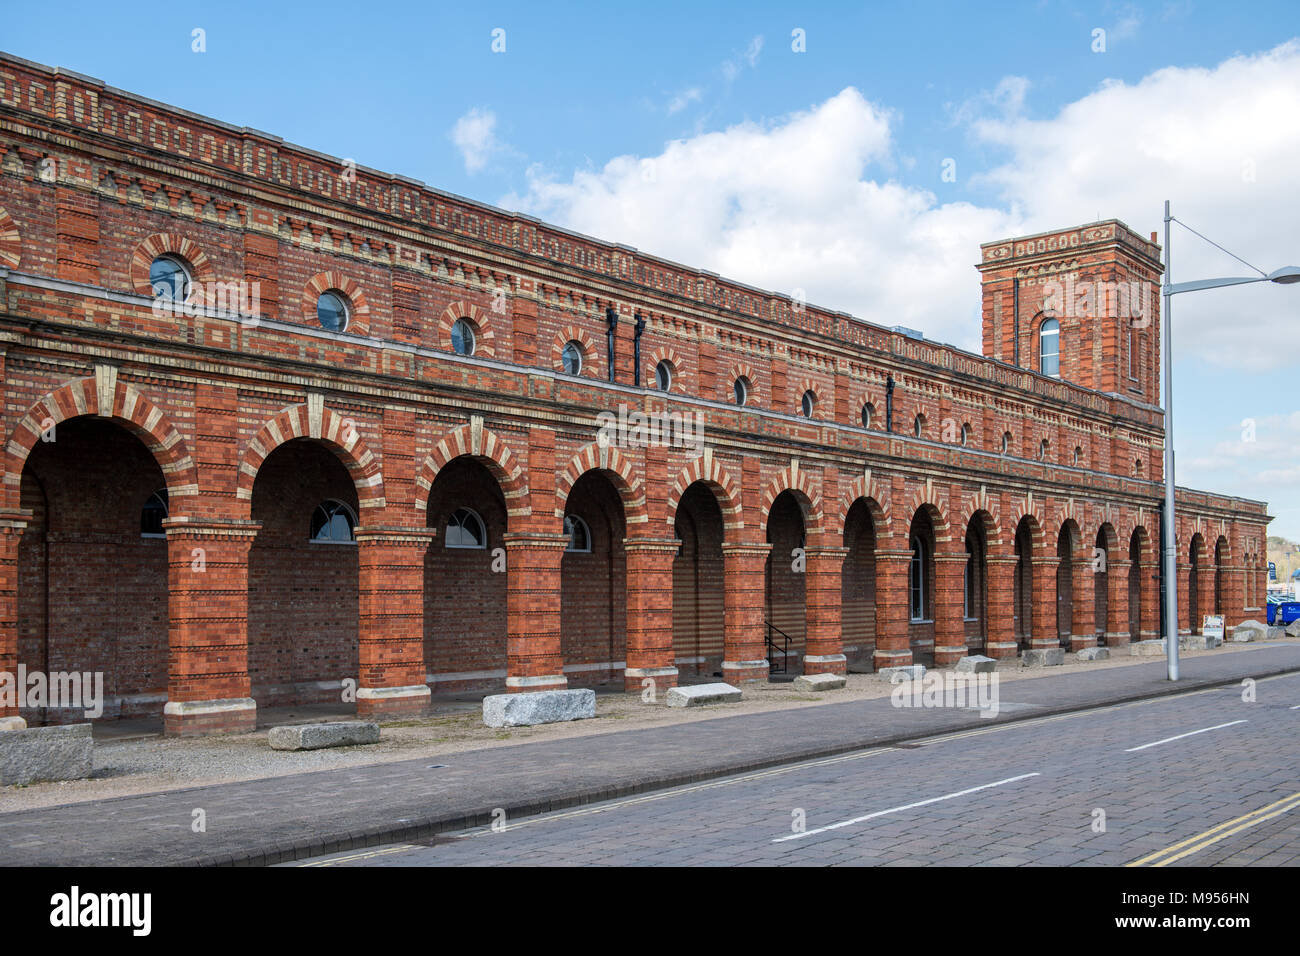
1272, 571
1213, 626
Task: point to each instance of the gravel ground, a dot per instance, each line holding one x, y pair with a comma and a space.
155, 763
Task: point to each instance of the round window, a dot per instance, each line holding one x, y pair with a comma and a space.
169, 279
742, 391
571, 358
663, 376
462, 337
332, 311
809, 403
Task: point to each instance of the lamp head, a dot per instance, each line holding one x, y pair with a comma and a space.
1288, 275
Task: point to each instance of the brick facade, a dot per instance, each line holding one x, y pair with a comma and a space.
250, 414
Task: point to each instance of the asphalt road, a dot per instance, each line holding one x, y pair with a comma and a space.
1197, 779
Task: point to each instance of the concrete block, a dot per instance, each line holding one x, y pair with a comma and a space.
896, 675
976, 664
36, 754
819, 682
1249, 631
1154, 648
538, 707
697, 695
1093, 654
1199, 642
1043, 657
1293, 629
342, 733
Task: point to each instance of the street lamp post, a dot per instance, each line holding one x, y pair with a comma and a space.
1285, 276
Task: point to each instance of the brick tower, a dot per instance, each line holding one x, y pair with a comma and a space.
1090, 295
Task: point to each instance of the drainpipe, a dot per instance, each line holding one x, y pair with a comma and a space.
611, 323
889, 403
1015, 316
636, 351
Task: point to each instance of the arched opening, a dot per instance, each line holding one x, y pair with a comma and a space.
786, 582
1137, 558
465, 580
1101, 582
1023, 583
858, 585
975, 589
303, 593
92, 584
1220, 559
1196, 562
593, 575
920, 587
698, 592
1067, 553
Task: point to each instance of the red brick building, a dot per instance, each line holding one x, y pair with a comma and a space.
279, 427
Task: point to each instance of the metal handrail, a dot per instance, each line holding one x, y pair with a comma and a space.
772, 666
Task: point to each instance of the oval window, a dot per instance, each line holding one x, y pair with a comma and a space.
332, 311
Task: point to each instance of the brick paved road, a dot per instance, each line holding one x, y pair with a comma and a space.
1049, 779
290, 818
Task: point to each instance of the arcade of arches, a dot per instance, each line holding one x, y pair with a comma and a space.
311, 591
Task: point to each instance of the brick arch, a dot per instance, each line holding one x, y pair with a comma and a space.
1107, 531
808, 385
485, 446
667, 354
615, 466
1146, 543
926, 498
711, 472
11, 244
359, 322
742, 370
987, 508
590, 350
484, 336
794, 479
1227, 551
103, 396
327, 426
866, 488
1198, 546
1037, 524
166, 243
1070, 525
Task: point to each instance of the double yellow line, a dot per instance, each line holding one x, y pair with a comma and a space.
1221, 832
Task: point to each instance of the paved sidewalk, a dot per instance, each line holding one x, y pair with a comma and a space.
286, 818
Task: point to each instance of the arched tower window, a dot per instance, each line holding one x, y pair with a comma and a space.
1049, 348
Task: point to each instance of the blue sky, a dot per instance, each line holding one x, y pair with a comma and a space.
701, 135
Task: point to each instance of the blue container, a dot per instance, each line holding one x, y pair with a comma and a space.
1288, 612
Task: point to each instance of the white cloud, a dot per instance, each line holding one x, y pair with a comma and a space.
684, 99
1221, 144
475, 136
732, 68
804, 203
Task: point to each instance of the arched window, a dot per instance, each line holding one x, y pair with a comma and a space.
1043, 448
1137, 467
333, 311
170, 279
1049, 348
1078, 455
917, 581
1006, 443
463, 338
152, 515
664, 376
741, 389
571, 357
333, 523
965, 432
579, 534
808, 404
868, 413
465, 530
918, 426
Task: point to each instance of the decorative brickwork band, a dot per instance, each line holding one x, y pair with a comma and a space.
533, 657
390, 637
207, 625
